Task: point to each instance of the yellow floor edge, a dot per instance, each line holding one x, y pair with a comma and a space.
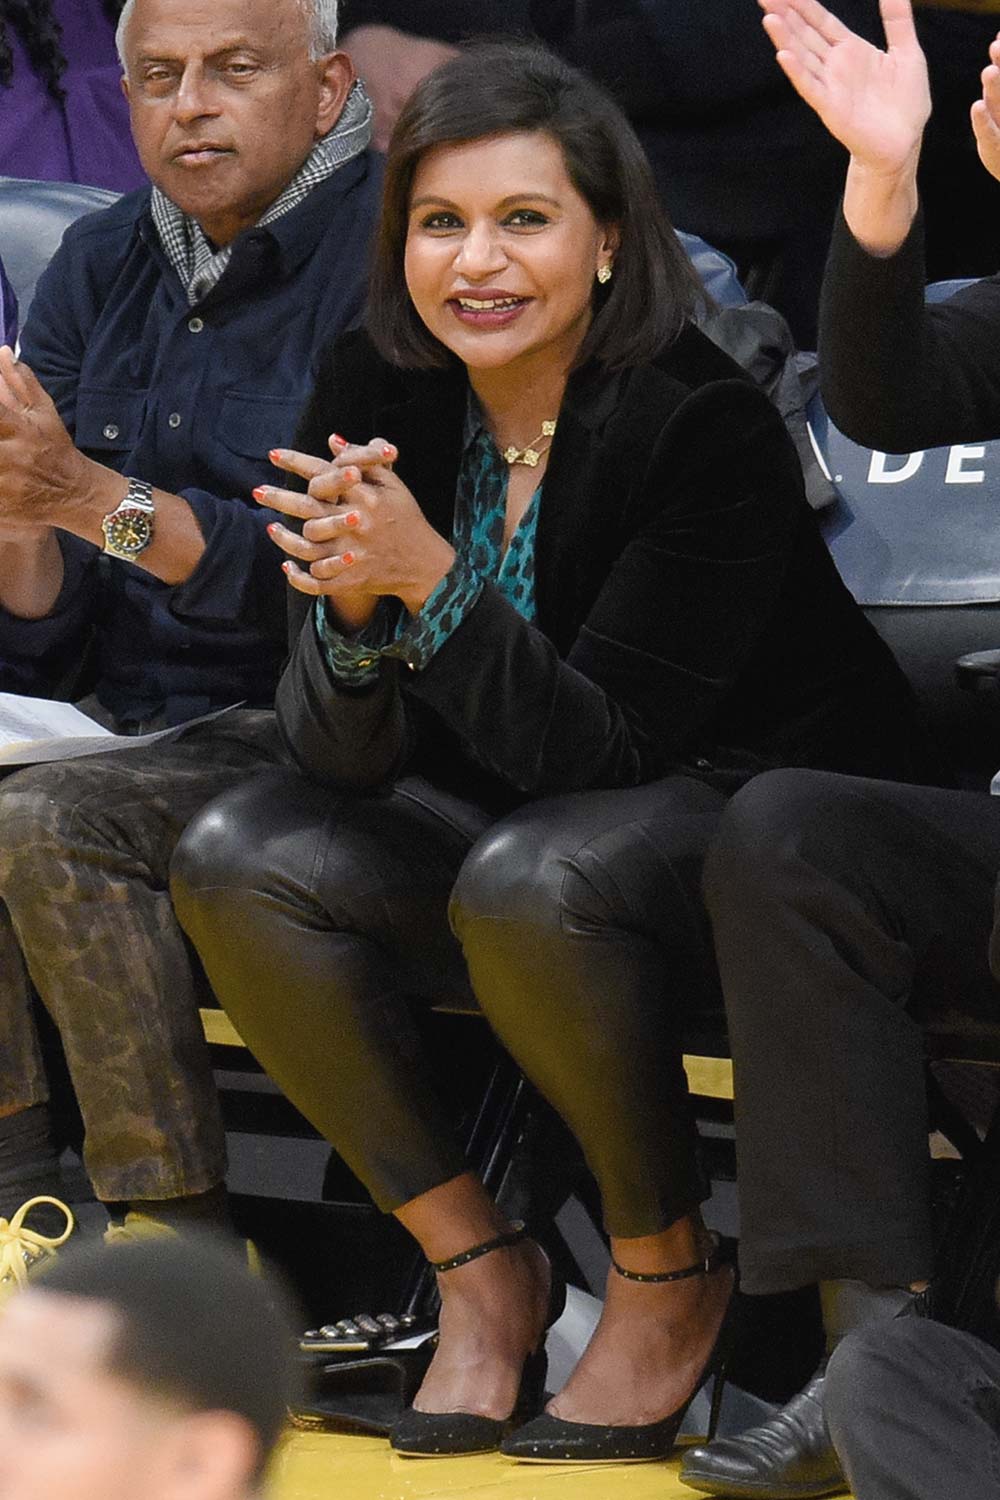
321, 1466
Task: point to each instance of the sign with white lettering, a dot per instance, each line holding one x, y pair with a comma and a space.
912, 528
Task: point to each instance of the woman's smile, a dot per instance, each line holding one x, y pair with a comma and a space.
488, 308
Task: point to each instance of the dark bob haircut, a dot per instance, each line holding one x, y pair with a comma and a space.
495, 88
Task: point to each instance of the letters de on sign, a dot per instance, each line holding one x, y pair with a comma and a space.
884, 468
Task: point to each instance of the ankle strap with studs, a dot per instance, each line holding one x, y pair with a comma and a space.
514, 1236
705, 1267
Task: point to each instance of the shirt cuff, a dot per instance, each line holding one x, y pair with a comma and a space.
354, 660
417, 641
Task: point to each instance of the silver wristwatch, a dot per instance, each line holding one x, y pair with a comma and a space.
128, 529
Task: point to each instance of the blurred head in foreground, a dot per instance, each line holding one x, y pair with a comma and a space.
161, 1370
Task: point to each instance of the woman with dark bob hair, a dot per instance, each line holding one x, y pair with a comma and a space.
568, 602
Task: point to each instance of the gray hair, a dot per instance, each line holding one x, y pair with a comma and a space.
321, 15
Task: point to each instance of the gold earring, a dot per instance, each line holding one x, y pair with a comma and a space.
604, 274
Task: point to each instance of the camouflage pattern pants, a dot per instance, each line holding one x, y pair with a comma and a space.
85, 850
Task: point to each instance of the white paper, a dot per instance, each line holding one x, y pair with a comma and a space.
36, 730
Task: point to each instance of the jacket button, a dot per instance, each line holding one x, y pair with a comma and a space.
111, 432
702, 764
174, 419
196, 325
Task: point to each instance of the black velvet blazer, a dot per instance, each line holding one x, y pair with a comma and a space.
688, 614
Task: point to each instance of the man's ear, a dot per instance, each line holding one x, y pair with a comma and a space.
125, 88
205, 1455
336, 80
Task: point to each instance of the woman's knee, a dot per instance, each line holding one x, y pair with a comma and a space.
227, 848
525, 873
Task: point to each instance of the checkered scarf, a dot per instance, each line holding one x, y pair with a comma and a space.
198, 265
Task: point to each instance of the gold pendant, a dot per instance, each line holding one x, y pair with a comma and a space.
530, 455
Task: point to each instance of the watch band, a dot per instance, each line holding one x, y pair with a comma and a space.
128, 529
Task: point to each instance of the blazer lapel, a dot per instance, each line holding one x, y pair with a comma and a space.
571, 544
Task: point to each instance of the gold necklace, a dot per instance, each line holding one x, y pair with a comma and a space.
531, 455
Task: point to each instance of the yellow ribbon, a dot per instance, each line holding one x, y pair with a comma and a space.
21, 1248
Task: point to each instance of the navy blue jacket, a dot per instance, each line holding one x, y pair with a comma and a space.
190, 399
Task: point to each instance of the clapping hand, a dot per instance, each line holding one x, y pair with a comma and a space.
986, 114
42, 475
364, 535
875, 102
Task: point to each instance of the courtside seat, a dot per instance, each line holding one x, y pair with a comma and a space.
914, 537
716, 271
33, 219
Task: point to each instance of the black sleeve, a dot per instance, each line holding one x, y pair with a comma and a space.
682, 607
355, 739
897, 373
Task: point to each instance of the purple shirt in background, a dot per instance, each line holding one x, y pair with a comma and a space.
8, 310
85, 139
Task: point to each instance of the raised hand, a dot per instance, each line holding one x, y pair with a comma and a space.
875, 102
986, 114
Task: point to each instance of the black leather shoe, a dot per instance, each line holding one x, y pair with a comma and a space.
788, 1457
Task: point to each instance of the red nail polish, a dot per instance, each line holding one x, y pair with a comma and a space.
272, 528
352, 519
260, 492
286, 567
340, 441
274, 455
347, 558
389, 451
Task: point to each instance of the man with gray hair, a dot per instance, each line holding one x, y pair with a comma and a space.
169, 347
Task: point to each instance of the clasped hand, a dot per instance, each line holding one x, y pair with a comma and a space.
363, 533
42, 474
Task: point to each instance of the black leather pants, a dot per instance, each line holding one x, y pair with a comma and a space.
576, 921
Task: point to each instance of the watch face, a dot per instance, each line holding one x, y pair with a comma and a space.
128, 531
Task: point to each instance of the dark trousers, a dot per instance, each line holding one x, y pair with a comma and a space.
576, 923
845, 912
914, 1412
86, 919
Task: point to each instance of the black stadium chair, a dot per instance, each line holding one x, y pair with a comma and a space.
33, 218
